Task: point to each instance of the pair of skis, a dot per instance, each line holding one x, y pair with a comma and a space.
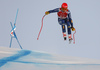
42, 27
12, 32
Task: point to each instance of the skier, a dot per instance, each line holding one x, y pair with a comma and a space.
64, 18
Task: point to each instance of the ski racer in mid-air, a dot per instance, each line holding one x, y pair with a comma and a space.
64, 18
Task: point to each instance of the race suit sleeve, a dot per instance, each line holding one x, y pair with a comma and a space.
70, 19
54, 10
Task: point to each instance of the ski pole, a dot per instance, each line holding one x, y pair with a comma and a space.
41, 27
74, 37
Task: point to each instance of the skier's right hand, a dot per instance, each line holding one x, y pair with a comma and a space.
47, 12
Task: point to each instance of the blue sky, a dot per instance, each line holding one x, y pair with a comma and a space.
85, 15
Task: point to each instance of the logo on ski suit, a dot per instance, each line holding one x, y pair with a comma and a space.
62, 15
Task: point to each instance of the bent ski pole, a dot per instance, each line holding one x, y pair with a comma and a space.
41, 27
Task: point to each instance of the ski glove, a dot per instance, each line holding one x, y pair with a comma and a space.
47, 12
72, 28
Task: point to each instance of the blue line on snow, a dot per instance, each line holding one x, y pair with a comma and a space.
21, 53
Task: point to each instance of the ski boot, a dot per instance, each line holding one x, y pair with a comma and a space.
65, 38
64, 35
70, 38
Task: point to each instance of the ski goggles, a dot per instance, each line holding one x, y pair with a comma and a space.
64, 9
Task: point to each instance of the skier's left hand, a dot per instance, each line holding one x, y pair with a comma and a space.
72, 28
47, 12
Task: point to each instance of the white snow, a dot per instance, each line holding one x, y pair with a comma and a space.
16, 59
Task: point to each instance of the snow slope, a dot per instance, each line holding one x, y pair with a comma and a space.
16, 59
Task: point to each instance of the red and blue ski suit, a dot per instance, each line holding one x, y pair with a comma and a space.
64, 18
